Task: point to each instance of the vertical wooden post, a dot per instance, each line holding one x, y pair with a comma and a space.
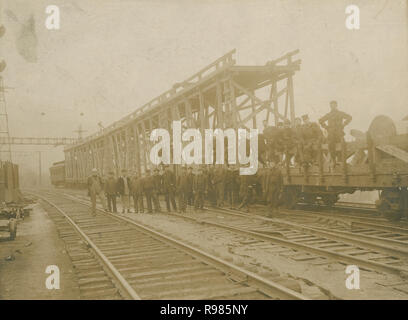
220, 112
233, 104
371, 157
274, 94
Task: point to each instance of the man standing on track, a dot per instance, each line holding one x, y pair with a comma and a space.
156, 189
199, 189
137, 193
219, 182
169, 188
183, 189
111, 192
124, 190
95, 188
190, 179
274, 182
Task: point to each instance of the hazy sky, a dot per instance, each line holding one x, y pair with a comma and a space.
110, 57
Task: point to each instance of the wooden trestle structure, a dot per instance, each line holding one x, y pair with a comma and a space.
221, 95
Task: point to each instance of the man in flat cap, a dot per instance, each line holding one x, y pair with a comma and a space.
95, 189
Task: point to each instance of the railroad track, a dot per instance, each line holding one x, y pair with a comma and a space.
116, 257
309, 243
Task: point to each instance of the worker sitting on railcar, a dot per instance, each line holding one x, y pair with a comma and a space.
124, 190
334, 122
287, 141
111, 192
95, 188
137, 192
311, 137
271, 135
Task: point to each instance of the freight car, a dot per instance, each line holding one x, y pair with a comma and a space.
57, 173
376, 160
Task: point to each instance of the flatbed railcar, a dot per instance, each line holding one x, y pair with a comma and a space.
376, 160
224, 95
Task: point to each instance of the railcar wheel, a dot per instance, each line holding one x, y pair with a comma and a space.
309, 198
389, 205
386, 211
330, 199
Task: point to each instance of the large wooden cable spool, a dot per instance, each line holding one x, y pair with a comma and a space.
382, 127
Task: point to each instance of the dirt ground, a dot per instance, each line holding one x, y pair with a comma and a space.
23, 262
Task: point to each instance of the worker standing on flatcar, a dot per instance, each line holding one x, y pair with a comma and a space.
273, 188
111, 192
311, 137
95, 188
183, 189
169, 188
124, 190
334, 122
200, 187
190, 180
137, 193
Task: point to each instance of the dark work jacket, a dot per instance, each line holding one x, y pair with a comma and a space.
200, 183
148, 183
274, 180
311, 131
121, 185
190, 180
336, 121
111, 186
219, 175
168, 181
183, 183
136, 185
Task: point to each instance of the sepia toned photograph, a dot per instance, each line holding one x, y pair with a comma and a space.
229, 150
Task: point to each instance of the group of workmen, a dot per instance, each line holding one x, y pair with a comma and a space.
301, 142
221, 184
217, 185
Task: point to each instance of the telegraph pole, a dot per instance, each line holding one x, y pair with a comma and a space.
4, 127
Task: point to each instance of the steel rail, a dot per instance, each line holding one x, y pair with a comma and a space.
346, 237
124, 285
297, 246
269, 287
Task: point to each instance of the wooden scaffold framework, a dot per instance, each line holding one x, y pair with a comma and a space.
222, 95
